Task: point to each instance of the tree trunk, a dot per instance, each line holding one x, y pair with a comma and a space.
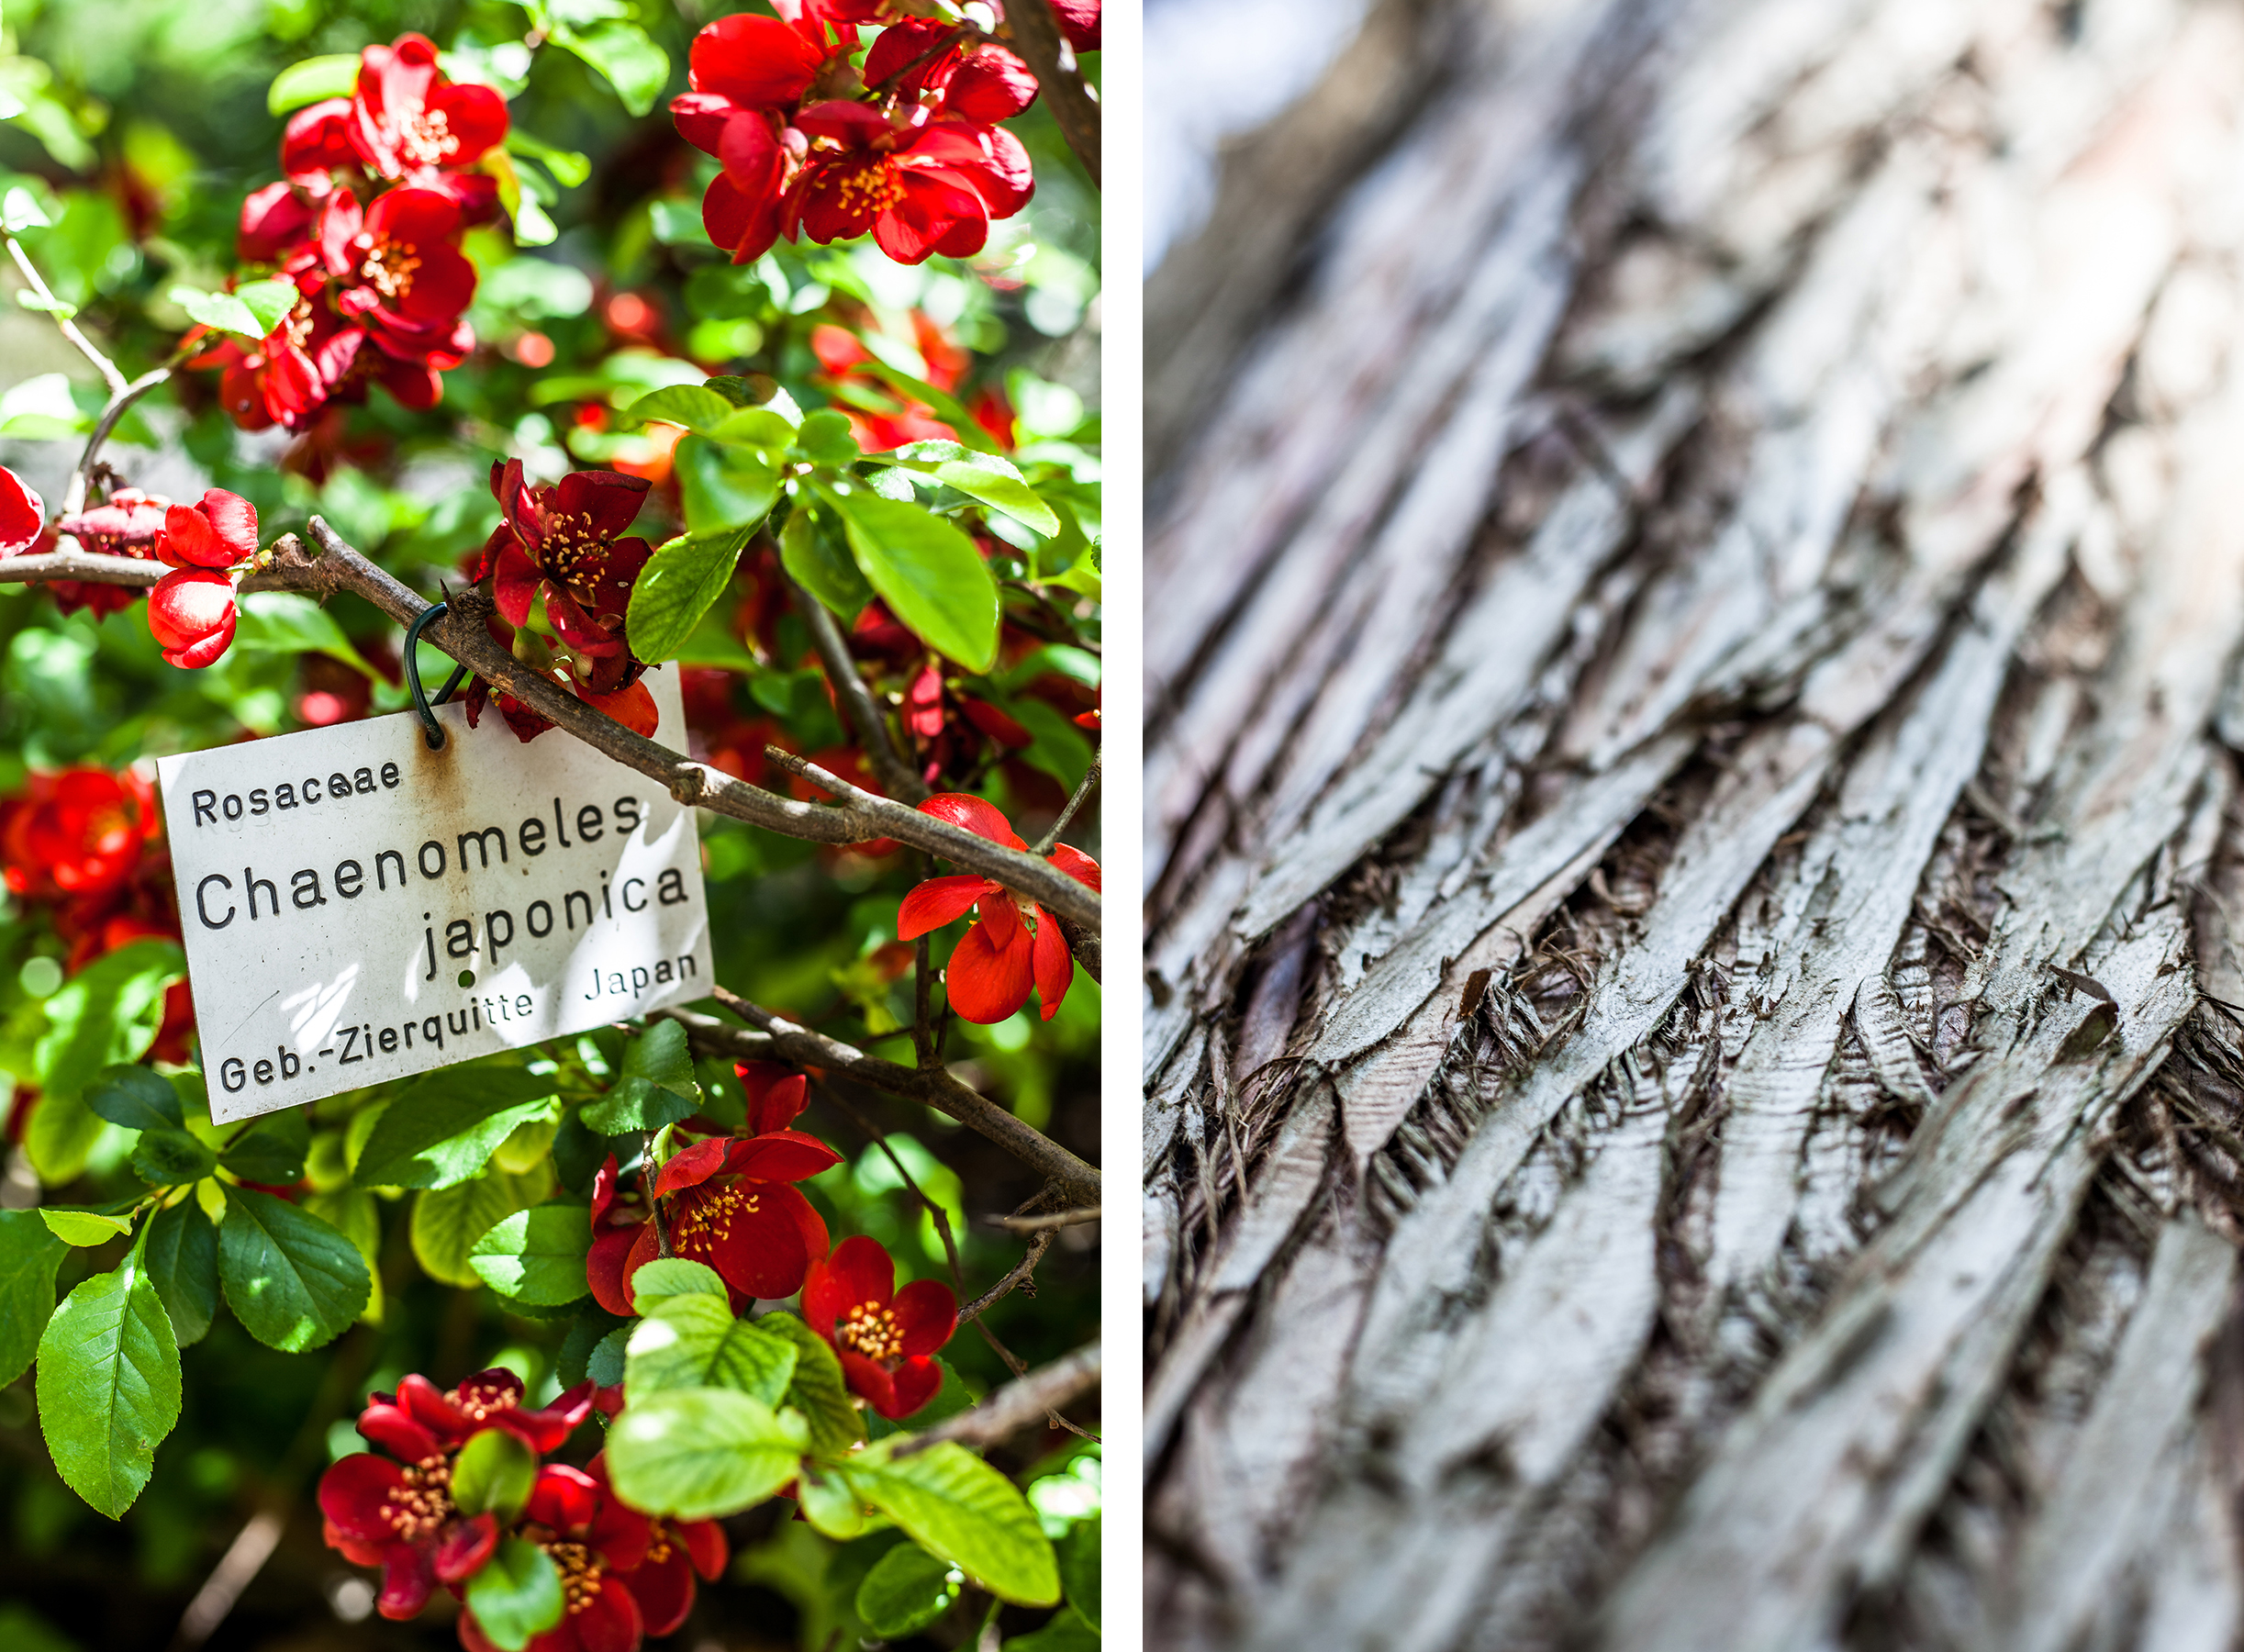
1695, 1081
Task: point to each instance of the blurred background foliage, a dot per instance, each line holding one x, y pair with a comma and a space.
141, 124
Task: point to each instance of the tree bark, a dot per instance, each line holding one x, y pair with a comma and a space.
1695, 878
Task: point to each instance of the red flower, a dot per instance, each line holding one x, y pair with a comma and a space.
985, 84
276, 228
596, 1544
777, 1094
23, 513
916, 185
402, 1518
191, 613
318, 143
217, 532
399, 275
563, 540
76, 833
1080, 21
1014, 945
884, 1335
750, 62
287, 377
730, 1204
409, 122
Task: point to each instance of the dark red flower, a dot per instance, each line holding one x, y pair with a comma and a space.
777, 1094
217, 530
318, 142
886, 1337
729, 1203
78, 832
286, 377
1080, 21
409, 122
917, 185
277, 226
984, 83
565, 540
1014, 946
399, 1514
399, 275
23, 513
192, 614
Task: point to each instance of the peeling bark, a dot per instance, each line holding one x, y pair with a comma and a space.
1695, 970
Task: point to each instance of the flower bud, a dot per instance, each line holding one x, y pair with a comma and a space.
23, 515
216, 532
191, 613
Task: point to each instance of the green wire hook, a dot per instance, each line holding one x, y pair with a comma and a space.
431, 731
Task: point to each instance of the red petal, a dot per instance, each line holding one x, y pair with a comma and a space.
781, 1156
700, 119
693, 1166
991, 85
1055, 965
777, 1094
408, 1580
633, 707
815, 1240
206, 652
619, 1535
233, 518
705, 1541
941, 900
466, 1545
391, 1428
514, 583
762, 1252
855, 124
426, 1404
603, 1189
23, 513
986, 980
744, 226
664, 1591
751, 156
859, 1271
756, 62
610, 1621
607, 1267
1076, 864
564, 1498
927, 1313
934, 213
188, 605
353, 1493
914, 1383
607, 500
978, 817
869, 1381
475, 115
188, 540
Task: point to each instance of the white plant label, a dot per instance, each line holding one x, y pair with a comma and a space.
357, 907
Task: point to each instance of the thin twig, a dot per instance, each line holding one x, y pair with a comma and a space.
37, 283
120, 401
1083, 789
857, 703
776, 1037
1024, 1274
1036, 37
1017, 1405
964, 32
935, 1212
1032, 1224
654, 1205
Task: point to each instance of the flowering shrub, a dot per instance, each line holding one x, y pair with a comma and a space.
718, 1295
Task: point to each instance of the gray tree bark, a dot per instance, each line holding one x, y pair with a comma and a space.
1695, 970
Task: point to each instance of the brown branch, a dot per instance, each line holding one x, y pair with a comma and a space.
1023, 1272
776, 1037
1036, 37
1032, 1224
1017, 1405
90, 565
856, 699
1083, 790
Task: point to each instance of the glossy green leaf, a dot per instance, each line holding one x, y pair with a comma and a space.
984, 476
272, 1150
666, 1277
605, 1365
181, 1258
494, 1471
85, 1229
1079, 1568
627, 55
689, 1342
697, 1454
136, 1097
656, 1087
723, 485
829, 1503
824, 438
106, 1013
958, 1507
697, 407
311, 79
269, 302
515, 1595
445, 1127
29, 1254
60, 1136
681, 582
447, 1221
1066, 1632
592, 1325
818, 1389
762, 431
165, 1157
816, 558
108, 1386
928, 571
537, 1255
907, 1589
288, 622
293, 1281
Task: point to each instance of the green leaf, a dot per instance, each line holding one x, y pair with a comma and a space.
537, 1255
984, 476
928, 572
605, 1365
61, 1137
164, 1157
818, 1389
627, 55
85, 1229
495, 1471
21, 211
824, 438
182, 1258
268, 301
134, 1098
696, 407
270, 1151
29, 1254
108, 1013
515, 1595
1079, 1568
445, 1127
108, 1386
293, 1281
569, 168
692, 1342
829, 1503
447, 1221
907, 1589
714, 643
657, 1086
697, 1454
310, 80
818, 559
723, 485
658, 1282
681, 582
60, 308
1064, 1632
287, 622
957, 1506
760, 431
591, 1327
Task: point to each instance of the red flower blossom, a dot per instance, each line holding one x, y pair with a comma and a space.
730, 1204
744, 62
563, 540
399, 275
286, 377
317, 143
886, 1337
399, 1514
23, 513
984, 83
192, 614
777, 1094
916, 185
1014, 945
78, 832
1080, 21
409, 122
217, 532
597, 1546
277, 225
